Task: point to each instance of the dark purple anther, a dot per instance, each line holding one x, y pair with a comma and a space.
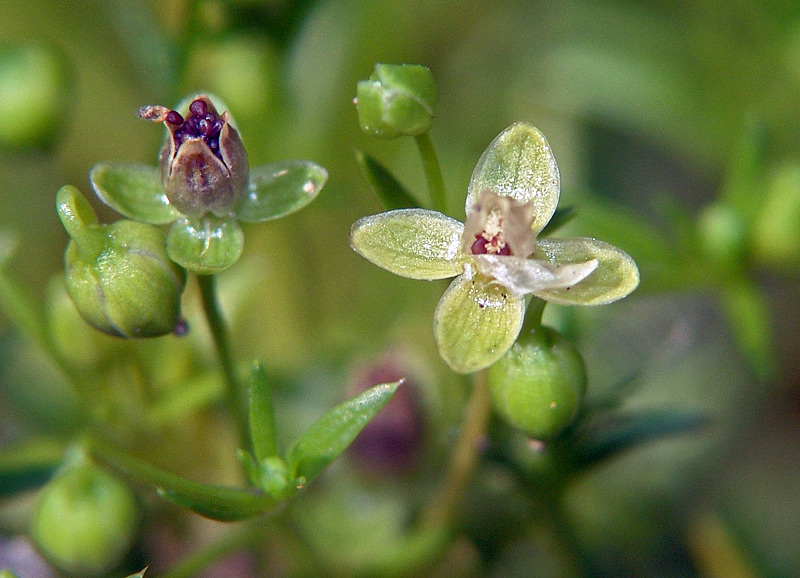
479, 246
201, 123
174, 117
198, 107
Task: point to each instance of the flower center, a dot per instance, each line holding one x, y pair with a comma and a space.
491, 240
201, 123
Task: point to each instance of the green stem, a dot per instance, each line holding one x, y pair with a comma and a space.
234, 392
433, 172
533, 314
464, 459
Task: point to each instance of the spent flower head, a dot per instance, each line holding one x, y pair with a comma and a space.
495, 256
204, 186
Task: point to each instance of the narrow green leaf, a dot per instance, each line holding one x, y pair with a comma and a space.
28, 465
749, 316
134, 191
279, 189
624, 432
389, 190
139, 574
262, 415
221, 503
334, 431
745, 175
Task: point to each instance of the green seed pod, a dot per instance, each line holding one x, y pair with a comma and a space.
203, 162
119, 275
398, 99
539, 384
86, 520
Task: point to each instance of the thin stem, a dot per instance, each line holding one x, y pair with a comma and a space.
533, 314
433, 172
464, 458
234, 392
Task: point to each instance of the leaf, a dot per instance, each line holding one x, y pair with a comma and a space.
389, 190
205, 245
623, 432
413, 243
519, 164
279, 189
475, 323
561, 217
616, 275
134, 191
28, 465
262, 415
334, 431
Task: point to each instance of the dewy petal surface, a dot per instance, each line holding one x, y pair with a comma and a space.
615, 277
519, 164
523, 276
134, 191
413, 243
475, 323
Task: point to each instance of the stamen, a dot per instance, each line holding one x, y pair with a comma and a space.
201, 123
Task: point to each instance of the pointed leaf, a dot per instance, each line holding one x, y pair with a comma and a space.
414, 243
262, 415
615, 277
28, 465
389, 190
279, 189
139, 574
334, 431
134, 191
475, 323
519, 164
628, 431
205, 245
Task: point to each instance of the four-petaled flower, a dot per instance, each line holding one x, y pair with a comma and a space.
204, 185
495, 256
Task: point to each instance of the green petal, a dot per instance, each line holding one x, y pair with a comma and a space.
615, 277
205, 245
279, 189
475, 323
134, 191
414, 243
519, 164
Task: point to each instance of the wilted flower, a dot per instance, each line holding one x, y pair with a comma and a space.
496, 258
203, 185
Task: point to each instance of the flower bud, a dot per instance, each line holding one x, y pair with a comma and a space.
86, 520
203, 161
398, 99
119, 275
539, 384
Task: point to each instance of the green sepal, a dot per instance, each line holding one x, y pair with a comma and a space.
205, 245
262, 415
279, 189
519, 164
615, 277
333, 432
134, 191
389, 190
475, 323
413, 243
139, 574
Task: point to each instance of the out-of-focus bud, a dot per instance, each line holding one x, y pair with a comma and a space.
119, 275
723, 235
203, 162
86, 520
776, 231
392, 441
539, 384
34, 89
398, 99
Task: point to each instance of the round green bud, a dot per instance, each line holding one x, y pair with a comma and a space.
34, 89
398, 99
539, 384
723, 234
86, 520
119, 276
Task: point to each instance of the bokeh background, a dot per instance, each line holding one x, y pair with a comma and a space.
647, 106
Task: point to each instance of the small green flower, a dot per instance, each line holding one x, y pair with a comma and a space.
204, 186
495, 256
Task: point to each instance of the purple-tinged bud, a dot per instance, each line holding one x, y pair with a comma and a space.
203, 162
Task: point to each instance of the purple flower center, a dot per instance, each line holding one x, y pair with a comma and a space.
494, 245
201, 123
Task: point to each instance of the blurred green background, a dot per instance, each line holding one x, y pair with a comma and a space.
646, 106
